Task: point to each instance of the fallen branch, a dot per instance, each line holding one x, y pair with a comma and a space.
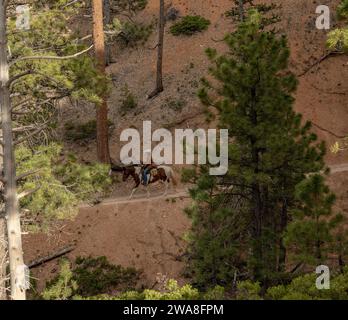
51, 257
323, 58
328, 131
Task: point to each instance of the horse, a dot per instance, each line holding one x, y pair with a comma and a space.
162, 174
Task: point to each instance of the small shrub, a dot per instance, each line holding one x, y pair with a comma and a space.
62, 286
128, 100
90, 277
189, 25
172, 14
132, 33
176, 105
97, 276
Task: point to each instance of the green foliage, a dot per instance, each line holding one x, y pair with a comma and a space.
303, 288
175, 104
60, 185
49, 35
338, 39
238, 219
342, 10
300, 288
81, 179
132, 6
90, 277
310, 236
266, 10
83, 131
63, 286
128, 100
97, 276
248, 290
172, 292
41, 83
189, 25
132, 33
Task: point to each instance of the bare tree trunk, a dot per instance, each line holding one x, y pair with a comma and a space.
3, 238
159, 77
17, 267
241, 10
107, 20
3, 255
102, 110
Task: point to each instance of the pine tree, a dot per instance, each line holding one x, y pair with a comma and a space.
311, 235
270, 153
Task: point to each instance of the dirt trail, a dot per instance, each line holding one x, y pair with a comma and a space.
343, 167
184, 193
142, 198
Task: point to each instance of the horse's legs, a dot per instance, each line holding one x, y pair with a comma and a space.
166, 190
133, 191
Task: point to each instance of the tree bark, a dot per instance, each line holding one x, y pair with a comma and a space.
3, 238
103, 152
241, 10
107, 20
283, 225
159, 74
14, 235
3, 256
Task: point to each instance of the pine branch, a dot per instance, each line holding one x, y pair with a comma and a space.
26, 174
73, 56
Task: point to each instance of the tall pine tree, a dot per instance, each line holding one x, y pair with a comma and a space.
239, 218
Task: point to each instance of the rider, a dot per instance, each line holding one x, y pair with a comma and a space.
147, 167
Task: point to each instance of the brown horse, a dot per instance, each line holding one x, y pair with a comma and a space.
163, 174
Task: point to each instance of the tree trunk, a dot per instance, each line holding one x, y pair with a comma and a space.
102, 110
3, 255
3, 238
107, 20
14, 236
283, 225
241, 10
159, 75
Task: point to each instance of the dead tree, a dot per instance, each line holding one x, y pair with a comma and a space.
14, 234
11, 234
159, 74
103, 152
